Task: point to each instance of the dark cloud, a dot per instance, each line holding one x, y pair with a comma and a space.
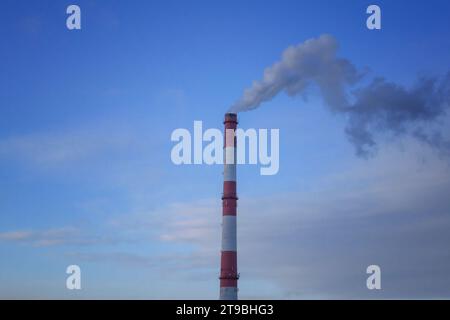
388, 107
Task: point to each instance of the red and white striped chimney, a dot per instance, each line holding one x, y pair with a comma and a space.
228, 264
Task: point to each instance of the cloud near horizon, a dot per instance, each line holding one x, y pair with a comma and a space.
320, 241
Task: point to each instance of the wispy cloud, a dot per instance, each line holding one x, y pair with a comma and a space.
59, 148
16, 235
64, 236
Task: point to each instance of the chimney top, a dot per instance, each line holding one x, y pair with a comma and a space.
230, 117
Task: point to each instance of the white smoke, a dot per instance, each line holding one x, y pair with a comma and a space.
313, 61
381, 105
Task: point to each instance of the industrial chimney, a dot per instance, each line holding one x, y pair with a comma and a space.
228, 264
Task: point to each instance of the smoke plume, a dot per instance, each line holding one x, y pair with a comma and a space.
380, 106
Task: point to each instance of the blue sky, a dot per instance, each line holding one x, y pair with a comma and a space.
86, 176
